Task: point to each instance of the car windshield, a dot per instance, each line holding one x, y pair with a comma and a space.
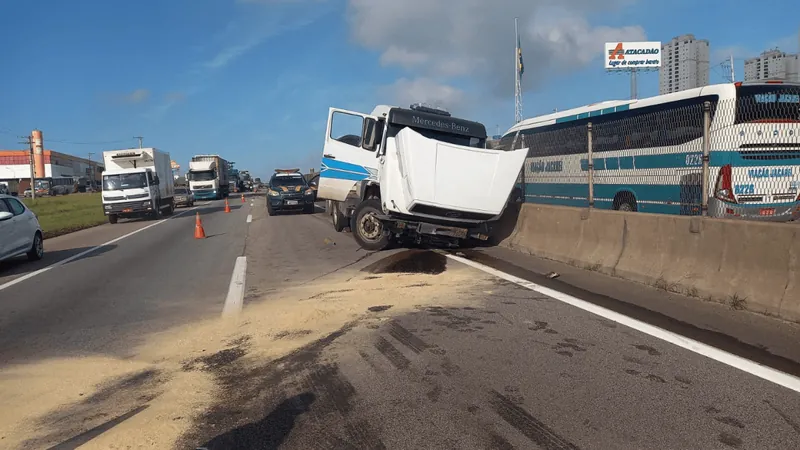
288, 181
124, 181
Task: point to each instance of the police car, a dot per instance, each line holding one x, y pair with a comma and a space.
288, 190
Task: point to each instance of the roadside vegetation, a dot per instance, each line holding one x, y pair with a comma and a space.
67, 213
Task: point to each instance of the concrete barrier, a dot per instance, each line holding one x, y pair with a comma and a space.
752, 265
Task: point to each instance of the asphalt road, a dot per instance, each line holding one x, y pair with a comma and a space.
341, 348
105, 301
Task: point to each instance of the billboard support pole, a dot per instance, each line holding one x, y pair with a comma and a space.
634, 86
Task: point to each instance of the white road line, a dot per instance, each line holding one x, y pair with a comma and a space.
86, 252
235, 297
767, 373
249, 218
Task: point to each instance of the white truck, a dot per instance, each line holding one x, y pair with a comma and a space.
413, 174
209, 177
137, 182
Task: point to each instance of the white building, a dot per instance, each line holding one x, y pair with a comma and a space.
772, 65
684, 64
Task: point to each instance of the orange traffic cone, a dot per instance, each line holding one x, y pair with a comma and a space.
242, 198
199, 232
227, 206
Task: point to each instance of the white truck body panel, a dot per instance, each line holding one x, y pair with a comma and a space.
448, 176
139, 160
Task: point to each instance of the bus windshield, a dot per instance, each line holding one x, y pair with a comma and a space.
768, 103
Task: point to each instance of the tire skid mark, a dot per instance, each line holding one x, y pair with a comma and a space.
532, 428
407, 338
392, 353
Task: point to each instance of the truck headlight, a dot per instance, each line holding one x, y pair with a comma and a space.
274, 193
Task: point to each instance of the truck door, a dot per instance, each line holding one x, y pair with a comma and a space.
348, 156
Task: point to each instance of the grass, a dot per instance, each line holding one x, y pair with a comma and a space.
67, 213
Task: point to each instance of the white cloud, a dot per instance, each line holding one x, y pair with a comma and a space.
405, 92
475, 38
137, 96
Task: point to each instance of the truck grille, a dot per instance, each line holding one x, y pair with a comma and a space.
204, 186
449, 213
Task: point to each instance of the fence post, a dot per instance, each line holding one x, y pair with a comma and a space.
706, 154
590, 165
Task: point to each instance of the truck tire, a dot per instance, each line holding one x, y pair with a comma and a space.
171, 208
339, 219
112, 219
369, 232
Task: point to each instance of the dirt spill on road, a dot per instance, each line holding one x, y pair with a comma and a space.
181, 384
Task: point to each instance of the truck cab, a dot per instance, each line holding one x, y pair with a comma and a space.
413, 173
132, 186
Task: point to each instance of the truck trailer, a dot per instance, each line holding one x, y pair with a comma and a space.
208, 177
137, 182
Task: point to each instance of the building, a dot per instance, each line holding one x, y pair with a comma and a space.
15, 165
684, 64
772, 65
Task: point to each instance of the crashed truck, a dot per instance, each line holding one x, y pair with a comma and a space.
413, 174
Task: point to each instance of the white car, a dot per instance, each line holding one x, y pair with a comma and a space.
20, 233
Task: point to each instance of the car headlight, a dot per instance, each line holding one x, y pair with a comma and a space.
309, 191
274, 193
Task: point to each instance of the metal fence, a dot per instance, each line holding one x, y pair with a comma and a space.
728, 158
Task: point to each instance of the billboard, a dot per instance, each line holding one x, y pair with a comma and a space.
633, 55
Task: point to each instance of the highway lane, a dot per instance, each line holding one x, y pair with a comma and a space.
106, 300
470, 361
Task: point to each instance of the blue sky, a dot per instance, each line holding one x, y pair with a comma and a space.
252, 79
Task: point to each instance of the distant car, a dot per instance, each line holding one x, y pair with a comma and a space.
20, 230
289, 191
183, 197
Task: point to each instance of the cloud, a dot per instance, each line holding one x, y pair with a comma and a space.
426, 90
175, 96
476, 38
137, 96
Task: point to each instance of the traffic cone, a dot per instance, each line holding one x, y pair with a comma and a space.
242, 198
227, 206
199, 232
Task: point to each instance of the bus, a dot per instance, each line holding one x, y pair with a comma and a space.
55, 185
647, 154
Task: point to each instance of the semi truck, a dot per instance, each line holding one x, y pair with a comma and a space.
415, 174
208, 177
137, 182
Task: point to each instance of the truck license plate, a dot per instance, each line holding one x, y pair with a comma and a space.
291, 202
127, 210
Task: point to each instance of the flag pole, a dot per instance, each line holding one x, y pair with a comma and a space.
517, 80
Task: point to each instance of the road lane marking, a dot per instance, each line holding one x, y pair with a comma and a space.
235, 297
86, 252
767, 373
249, 218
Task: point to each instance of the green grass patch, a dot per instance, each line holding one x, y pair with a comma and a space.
67, 213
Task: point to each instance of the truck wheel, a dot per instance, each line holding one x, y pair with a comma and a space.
171, 208
339, 220
112, 219
367, 230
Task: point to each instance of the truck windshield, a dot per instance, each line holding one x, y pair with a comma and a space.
768, 103
124, 181
202, 175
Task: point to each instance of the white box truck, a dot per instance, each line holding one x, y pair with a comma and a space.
208, 177
137, 182
413, 174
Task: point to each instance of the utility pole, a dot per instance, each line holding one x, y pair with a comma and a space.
733, 72
140, 140
91, 165
29, 141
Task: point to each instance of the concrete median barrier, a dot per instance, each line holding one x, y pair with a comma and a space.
748, 265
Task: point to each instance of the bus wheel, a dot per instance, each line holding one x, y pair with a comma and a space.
625, 201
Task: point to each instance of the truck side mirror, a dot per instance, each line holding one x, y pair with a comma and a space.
368, 134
